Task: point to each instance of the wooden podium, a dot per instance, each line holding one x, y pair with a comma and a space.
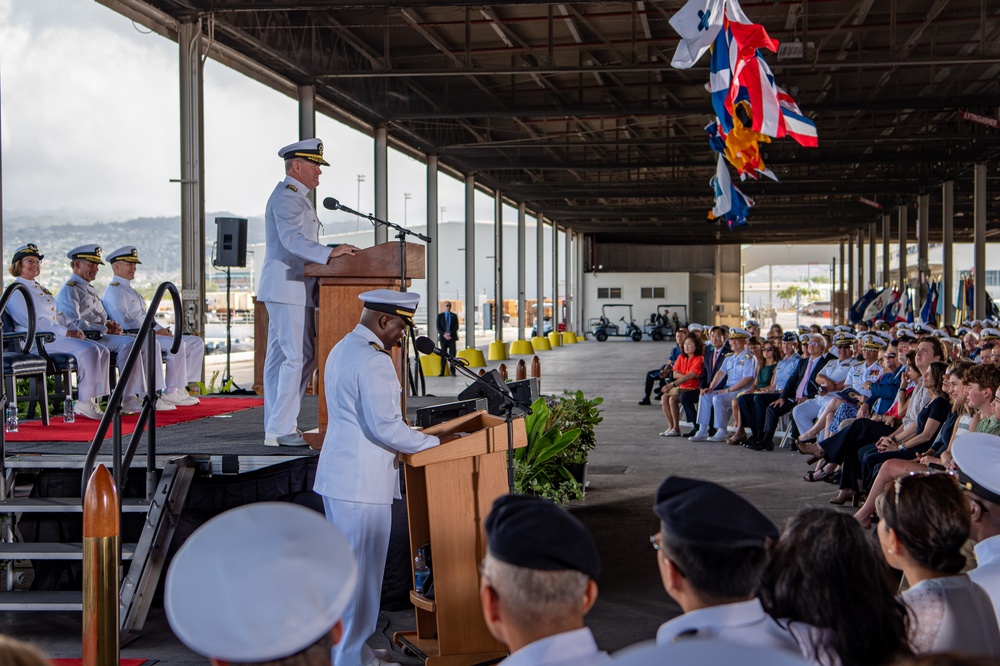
449, 492
340, 284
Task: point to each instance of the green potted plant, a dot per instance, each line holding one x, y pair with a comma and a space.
538, 469
574, 411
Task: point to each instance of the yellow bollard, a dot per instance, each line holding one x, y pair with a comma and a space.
540, 343
568, 337
521, 348
431, 363
522, 370
497, 351
554, 339
473, 356
101, 561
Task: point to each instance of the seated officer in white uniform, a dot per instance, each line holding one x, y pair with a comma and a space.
266, 582
711, 549
977, 459
706, 651
358, 471
292, 240
538, 583
126, 306
832, 377
740, 372
92, 360
82, 305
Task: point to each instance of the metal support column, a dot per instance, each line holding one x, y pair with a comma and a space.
923, 265
860, 266
903, 233
871, 255
948, 238
581, 242
307, 121
568, 281
192, 320
849, 267
979, 237
540, 272
838, 310
381, 182
886, 237
556, 312
498, 265
522, 282
469, 307
433, 293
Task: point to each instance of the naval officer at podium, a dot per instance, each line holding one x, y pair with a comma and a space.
358, 472
292, 241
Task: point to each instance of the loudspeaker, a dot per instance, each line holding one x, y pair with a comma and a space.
231, 241
478, 391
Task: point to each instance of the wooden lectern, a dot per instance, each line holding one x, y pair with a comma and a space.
340, 284
449, 492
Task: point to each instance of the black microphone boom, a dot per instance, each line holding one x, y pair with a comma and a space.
426, 346
331, 204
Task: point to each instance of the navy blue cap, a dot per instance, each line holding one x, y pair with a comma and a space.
535, 533
789, 336
703, 513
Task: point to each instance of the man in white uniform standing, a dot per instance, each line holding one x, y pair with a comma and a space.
292, 241
82, 305
126, 306
358, 472
977, 461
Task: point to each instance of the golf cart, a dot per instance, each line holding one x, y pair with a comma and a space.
602, 327
661, 324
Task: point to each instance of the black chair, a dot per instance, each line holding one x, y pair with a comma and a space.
61, 366
20, 365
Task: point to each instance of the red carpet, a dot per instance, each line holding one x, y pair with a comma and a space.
83, 430
78, 662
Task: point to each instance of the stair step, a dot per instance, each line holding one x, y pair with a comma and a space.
41, 601
52, 551
63, 505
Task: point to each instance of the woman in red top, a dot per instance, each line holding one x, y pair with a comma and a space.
687, 377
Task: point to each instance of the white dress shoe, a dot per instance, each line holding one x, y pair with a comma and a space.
700, 436
180, 398
131, 405
89, 409
164, 406
292, 439
720, 436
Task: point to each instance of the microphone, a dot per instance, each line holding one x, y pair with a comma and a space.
426, 346
331, 204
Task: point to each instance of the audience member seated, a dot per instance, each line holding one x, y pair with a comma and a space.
662, 373
925, 522
711, 550
688, 369
983, 382
829, 381
737, 373
767, 362
977, 463
715, 355
753, 406
18, 653
537, 583
812, 583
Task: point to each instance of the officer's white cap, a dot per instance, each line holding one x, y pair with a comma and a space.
844, 339
922, 328
884, 335
751, 322
261, 582
307, 149
697, 650
977, 456
128, 253
844, 328
736, 333
873, 343
91, 253
940, 333
695, 328
953, 341
401, 303
989, 334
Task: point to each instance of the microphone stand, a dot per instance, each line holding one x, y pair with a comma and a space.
510, 403
402, 233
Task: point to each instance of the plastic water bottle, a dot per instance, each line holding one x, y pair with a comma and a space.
69, 414
10, 418
420, 573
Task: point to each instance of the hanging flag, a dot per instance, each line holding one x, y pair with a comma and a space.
909, 305
890, 303
876, 306
857, 310
928, 313
795, 124
960, 310
720, 77
722, 185
698, 23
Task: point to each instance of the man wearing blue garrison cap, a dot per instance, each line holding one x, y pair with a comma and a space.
538, 583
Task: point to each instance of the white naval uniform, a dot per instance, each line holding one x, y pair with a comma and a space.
736, 368
806, 412
740, 623
570, 648
82, 305
987, 572
358, 475
92, 360
126, 306
292, 241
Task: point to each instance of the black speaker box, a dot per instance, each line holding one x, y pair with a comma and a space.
231, 242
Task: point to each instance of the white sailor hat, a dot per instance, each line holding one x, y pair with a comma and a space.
905, 334
804, 330
128, 253
967, 322
751, 322
400, 303
844, 339
91, 253
698, 650
975, 322
695, 328
954, 341
922, 329
29, 250
736, 333
873, 343
308, 149
805, 337
939, 333
843, 328
963, 330
827, 329
885, 335
258, 583
904, 324
977, 456
989, 334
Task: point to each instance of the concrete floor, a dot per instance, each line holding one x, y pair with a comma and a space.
629, 463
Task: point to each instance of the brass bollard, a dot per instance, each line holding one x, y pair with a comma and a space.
482, 371
536, 366
522, 370
101, 577
502, 369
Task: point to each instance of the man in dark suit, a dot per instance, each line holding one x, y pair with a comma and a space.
447, 326
715, 353
800, 386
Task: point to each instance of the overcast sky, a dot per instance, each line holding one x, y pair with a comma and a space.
90, 127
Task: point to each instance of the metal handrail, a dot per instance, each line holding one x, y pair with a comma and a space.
113, 415
25, 349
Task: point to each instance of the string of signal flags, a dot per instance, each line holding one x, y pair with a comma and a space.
750, 108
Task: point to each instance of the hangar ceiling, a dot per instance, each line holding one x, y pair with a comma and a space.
574, 109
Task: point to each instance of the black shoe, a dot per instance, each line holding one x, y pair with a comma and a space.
645, 401
750, 443
763, 444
